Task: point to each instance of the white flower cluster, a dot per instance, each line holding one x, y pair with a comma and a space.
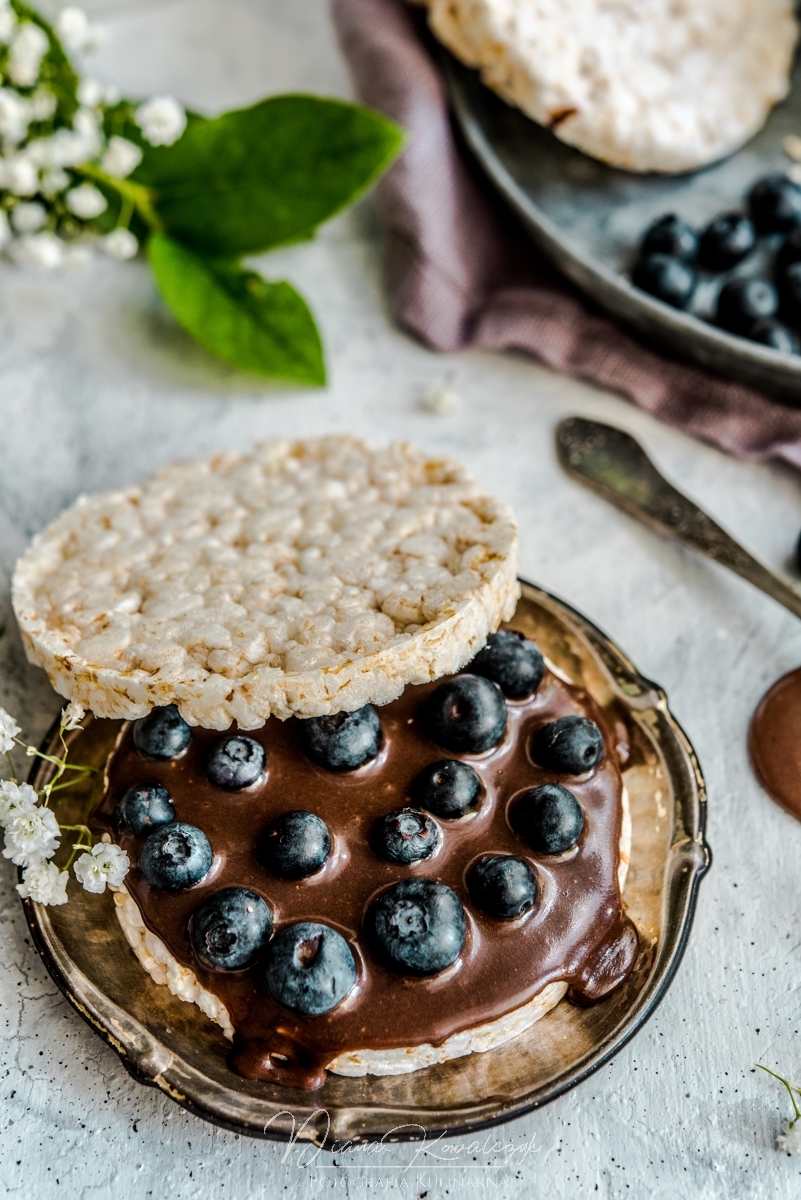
32, 833
50, 154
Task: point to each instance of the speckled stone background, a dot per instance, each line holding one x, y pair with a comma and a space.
98, 387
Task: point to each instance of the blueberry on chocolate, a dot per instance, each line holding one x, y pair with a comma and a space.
344, 741
163, 734
466, 715
447, 788
229, 929
143, 807
235, 762
309, 968
727, 240
775, 204
405, 836
668, 279
175, 857
295, 845
549, 818
418, 926
502, 885
570, 745
671, 235
512, 661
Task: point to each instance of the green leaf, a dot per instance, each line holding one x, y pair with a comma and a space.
259, 177
258, 326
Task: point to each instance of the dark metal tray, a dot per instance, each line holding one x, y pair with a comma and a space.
171, 1045
588, 218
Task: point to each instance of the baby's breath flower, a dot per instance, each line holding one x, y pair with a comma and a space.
42, 105
8, 22
31, 835
28, 47
86, 201
789, 1140
72, 715
13, 116
18, 175
103, 864
8, 731
121, 157
42, 250
28, 217
76, 31
54, 181
44, 883
162, 120
15, 797
5, 230
120, 243
90, 93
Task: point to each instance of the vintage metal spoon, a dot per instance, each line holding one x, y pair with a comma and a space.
613, 464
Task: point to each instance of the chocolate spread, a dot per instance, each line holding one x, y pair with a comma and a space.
775, 742
576, 931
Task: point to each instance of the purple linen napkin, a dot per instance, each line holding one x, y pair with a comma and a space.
460, 273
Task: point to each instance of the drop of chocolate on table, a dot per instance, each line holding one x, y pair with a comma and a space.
775, 742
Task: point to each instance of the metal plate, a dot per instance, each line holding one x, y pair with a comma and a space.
589, 218
170, 1044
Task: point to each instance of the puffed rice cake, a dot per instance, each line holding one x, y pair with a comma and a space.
647, 85
298, 579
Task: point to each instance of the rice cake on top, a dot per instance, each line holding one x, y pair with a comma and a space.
299, 579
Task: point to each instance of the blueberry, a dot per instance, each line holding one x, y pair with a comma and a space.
447, 788
571, 746
418, 926
295, 845
741, 302
550, 818
502, 885
511, 661
309, 968
773, 333
790, 250
670, 235
726, 241
466, 714
669, 279
228, 930
236, 762
790, 293
163, 733
175, 857
405, 836
143, 807
344, 741
775, 204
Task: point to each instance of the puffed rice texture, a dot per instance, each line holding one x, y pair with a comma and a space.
647, 85
299, 579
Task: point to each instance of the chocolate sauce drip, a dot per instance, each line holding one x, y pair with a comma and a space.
575, 931
775, 742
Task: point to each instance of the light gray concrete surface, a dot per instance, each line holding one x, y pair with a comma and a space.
98, 387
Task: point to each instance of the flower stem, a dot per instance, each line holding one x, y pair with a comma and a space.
133, 195
791, 1090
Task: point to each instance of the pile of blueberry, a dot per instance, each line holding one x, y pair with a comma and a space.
673, 256
417, 926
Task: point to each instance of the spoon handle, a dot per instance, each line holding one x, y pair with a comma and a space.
613, 464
